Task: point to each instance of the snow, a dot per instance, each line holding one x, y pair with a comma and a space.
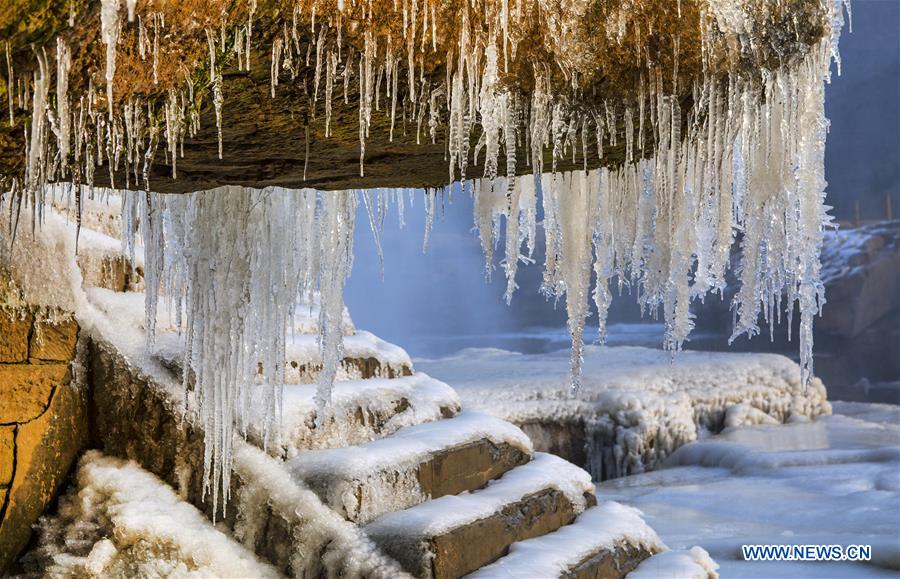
302, 352
409, 446
443, 514
607, 526
56, 284
303, 359
367, 480
835, 480
693, 563
320, 539
848, 251
120, 520
639, 404
360, 411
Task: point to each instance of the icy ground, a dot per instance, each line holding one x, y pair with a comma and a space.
508, 383
831, 481
637, 405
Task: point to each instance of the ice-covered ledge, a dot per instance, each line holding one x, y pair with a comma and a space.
637, 404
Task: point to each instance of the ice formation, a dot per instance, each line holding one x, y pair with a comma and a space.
733, 152
232, 265
636, 407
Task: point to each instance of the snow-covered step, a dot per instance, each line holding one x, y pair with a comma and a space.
360, 411
103, 265
365, 356
454, 535
609, 540
413, 465
693, 563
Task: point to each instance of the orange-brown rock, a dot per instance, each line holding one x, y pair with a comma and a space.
7, 450
25, 389
45, 448
14, 328
54, 341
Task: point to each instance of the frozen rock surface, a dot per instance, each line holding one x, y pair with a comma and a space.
861, 272
360, 411
120, 520
637, 406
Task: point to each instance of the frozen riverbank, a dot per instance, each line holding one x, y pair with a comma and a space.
831, 481
637, 405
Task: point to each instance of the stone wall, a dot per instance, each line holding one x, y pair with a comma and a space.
43, 419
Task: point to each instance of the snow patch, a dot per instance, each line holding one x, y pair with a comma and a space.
693, 563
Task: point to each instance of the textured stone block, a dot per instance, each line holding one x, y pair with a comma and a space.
54, 342
7, 454
609, 563
14, 328
25, 389
46, 448
460, 550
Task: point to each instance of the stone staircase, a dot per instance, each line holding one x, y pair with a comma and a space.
450, 495
443, 491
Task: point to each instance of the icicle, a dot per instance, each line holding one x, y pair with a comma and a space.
490, 106
277, 46
215, 78
109, 32
429, 218
375, 224
331, 70
63, 118
130, 4
157, 22
249, 34
336, 233
320, 43
35, 168
10, 83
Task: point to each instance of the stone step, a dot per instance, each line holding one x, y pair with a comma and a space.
365, 355
454, 535
413, 465
607, 541
103, 265
360, 411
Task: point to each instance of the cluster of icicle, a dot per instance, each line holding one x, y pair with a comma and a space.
747, 163
231, 266
386, 69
